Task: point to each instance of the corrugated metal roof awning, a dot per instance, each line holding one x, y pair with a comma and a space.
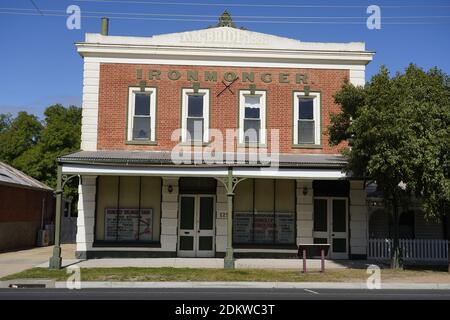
165, 158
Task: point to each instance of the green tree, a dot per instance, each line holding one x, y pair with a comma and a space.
61, 134
18, 135
33, 146
5, 121
398, 130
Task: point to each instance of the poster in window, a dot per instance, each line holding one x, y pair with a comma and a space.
263, 230
128, 224
242, 227
285, 227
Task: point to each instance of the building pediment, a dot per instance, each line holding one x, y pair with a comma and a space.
224, 37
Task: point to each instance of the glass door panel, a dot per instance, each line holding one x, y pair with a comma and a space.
320, 231
339, 229
196, 226
330, 225
186, 241
205, 231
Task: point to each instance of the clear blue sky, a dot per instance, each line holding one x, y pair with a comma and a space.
40, 65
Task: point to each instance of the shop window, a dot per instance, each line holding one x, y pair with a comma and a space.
264, 212
252, 117
124, 214
141, 114
195, 112
306, 118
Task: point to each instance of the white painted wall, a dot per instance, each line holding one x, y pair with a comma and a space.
358, 218
221, 218
305, 210
169, 215
358, 76
89, 120
86, 213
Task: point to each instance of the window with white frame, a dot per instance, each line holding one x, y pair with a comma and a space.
306, 118
252, 117
141, 114
195, 113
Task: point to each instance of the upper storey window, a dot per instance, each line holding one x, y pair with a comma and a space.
252, 117
195, 115
306, 119
141, 115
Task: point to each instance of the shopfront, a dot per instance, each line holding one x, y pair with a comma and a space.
241, 94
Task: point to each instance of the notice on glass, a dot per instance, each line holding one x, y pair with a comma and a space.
263, 230
242, 227
128, 224
285, 227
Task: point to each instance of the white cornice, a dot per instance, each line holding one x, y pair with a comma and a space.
224, 54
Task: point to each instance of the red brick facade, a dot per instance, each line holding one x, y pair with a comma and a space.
115, 80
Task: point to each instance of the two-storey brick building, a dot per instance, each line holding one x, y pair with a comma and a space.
180, 130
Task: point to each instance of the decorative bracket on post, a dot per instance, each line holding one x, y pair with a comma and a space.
230, 184
66, 178
234, 183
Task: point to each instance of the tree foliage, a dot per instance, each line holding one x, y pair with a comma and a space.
33, 146
399, 133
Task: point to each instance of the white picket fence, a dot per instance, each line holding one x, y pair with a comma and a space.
413, 250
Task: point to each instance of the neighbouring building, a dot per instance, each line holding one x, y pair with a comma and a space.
26, 206
180, 130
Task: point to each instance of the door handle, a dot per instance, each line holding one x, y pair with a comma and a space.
186, 232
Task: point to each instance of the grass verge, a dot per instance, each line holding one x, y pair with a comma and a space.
191, 274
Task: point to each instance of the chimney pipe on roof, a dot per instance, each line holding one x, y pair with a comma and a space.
105, 23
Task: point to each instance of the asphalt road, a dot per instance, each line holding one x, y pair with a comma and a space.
221, 294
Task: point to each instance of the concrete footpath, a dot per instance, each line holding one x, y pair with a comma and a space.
290, 264
27, 283
17, 261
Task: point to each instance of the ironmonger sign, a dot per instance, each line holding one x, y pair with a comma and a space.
228, 76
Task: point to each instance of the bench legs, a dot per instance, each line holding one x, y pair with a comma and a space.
322, 260
304, 260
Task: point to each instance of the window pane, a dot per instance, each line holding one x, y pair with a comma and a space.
252, 113
339, 213
285, 228
252, 106
195, 129
242, 227
142, 104
285, 195
305, 108
306, 131
251, 130
206, 213
264, 228
187, 213
320, 215
141, 129
195, 106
